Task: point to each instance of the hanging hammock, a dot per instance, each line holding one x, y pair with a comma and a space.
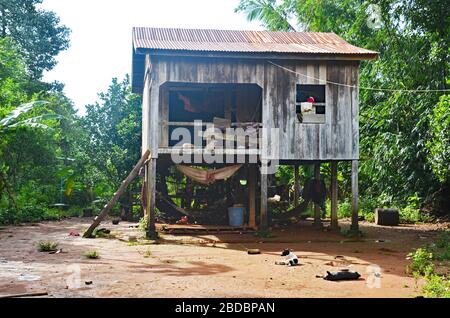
208, 176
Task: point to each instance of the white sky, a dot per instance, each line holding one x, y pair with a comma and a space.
100, 42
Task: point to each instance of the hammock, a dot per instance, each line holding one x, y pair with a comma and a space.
208, 176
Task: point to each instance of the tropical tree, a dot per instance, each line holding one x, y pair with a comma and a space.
38, 33
402, 107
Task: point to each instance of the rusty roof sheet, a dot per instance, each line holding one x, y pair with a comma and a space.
207, 40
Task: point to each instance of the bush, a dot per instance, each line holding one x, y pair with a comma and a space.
436, 286
92, 255
47, 246
421, 262
410, 214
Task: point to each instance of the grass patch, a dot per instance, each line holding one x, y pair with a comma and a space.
92, 255
147, 254
423, 264
47, 246
142, 243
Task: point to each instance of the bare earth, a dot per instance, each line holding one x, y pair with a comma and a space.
208, 265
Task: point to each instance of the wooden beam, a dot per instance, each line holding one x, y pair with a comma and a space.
251, 181
150, 178
334, 196
354, 226
317, 218
117, 195
263, 218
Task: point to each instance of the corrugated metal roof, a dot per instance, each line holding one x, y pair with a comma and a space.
243, 41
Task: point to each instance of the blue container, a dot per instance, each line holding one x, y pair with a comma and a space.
236, 216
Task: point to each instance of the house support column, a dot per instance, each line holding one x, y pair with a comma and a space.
354, 226
317, 218
150, 179
334, 196
263, 218
251, 182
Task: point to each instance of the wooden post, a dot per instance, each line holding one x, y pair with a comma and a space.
263, 221
251, 182
296, 184
334, 196
354, 226
317, 218
150, 178
117, 195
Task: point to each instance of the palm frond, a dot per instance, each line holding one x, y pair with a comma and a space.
22, 109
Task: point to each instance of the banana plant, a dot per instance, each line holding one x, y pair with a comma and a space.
14, 120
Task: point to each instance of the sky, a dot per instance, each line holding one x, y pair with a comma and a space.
100, 42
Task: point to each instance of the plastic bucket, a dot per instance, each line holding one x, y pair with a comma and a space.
236, 216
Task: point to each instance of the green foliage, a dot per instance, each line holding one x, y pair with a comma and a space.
421, 262
436, 286
410, 214
37, 32
439, 144
47, 246
404, 136
143, 224
92, 255
422, 265
273, 16
111, 143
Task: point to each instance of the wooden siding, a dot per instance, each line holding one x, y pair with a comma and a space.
336, 139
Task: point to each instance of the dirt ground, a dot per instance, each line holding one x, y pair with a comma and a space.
208, 265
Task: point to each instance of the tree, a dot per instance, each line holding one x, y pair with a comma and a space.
274, 17
37, 32
412, 38
113, 126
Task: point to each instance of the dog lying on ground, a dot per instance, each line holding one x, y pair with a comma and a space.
290, 258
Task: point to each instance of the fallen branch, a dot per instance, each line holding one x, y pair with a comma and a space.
35, 294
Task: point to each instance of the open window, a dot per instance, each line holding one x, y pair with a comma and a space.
310, 104
222, 105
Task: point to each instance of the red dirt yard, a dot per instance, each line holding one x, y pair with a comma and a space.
208, 265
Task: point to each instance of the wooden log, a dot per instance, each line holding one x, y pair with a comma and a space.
32, 294
354, 226
252, 196
117, 195
317, 218
389, 217
334, 196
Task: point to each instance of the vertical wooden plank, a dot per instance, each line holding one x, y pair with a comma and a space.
252, 170
146, 107
355, 112
317, 218
151, 190
263, 218
154, 119
354, 226
334, 196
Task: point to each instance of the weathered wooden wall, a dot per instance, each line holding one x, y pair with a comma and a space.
337, 139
